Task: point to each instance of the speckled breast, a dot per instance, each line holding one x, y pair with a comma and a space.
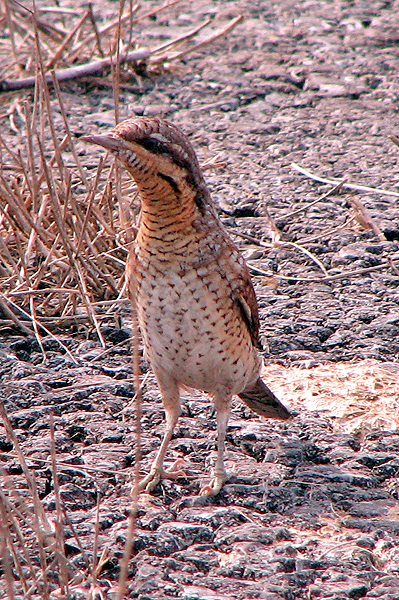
192, 329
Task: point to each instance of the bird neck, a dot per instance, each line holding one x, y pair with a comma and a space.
166, 211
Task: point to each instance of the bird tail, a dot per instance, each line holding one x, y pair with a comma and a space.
260, 399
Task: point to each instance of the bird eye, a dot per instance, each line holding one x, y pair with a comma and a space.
154, 145
173, 151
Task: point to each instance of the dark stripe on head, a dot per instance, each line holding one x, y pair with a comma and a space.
141, 130
200, 202
171, 182
158, 147
153, 145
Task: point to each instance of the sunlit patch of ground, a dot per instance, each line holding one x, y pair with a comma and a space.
362, 397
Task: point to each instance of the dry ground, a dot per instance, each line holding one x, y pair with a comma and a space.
312, 510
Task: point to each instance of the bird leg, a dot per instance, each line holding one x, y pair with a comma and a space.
171, 403
220, 475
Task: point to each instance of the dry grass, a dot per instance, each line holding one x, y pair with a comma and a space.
359, 397
63, 243
64, 238
34, 564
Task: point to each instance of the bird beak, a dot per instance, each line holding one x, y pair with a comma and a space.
106, 141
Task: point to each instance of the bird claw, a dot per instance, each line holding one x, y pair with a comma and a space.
215, 485
156, 474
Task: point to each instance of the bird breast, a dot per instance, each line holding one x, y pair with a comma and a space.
192, 328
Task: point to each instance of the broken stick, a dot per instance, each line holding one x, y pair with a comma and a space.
93, 68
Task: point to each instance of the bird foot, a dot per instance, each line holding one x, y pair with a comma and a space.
157, 473
215, 485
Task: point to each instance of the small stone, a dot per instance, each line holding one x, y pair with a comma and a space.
73, 497
187, 533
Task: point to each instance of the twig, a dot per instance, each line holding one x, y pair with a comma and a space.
116, 68
11, 516
89, 202
85, 70
67, 129
67, 40
276, 233
394, 269
104, 30
277, 243
57, 322
209, 40
74, 466
11, 28
56, 33
308, 254
336, 188
108, 350
86, 299
97, 67
181, 39
364, 218
54, 290
18, 308
344, 275
214, 163
36, 325
59, 10
19, 212
44, 527
59, 530
95, 28
5, 553
350, 186
132, 520
251, 238
315, 238
13, 317
95, 545
68, 245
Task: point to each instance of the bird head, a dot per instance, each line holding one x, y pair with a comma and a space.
156, 153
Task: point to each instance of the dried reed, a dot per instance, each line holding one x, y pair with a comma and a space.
65, 233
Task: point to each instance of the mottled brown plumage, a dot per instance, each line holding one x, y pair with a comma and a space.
195, 301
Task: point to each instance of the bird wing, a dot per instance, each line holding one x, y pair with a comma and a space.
242, 290
246, 300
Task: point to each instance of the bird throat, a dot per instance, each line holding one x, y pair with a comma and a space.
165, 213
